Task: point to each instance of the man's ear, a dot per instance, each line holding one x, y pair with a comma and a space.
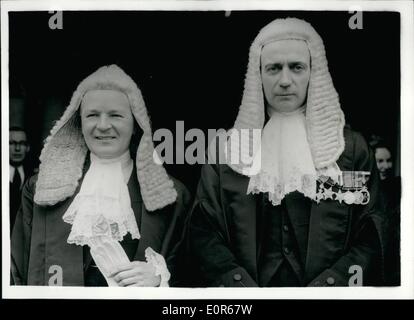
27, 149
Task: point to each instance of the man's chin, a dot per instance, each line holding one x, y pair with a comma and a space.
286, 107
16, 163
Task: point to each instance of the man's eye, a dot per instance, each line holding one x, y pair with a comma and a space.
116, 115
273, 68
298, 67
91, 115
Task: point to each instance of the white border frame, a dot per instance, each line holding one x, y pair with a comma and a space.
406, 291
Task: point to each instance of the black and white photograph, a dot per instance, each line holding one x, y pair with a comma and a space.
183, 148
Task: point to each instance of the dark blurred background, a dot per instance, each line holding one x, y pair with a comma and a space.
190, 66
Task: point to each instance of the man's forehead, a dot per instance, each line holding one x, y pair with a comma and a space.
104, 96
17, 135
290, 49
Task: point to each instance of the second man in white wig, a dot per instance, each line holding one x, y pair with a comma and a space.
306, 210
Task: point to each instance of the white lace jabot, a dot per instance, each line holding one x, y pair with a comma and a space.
102, 208
101, 215
285, 158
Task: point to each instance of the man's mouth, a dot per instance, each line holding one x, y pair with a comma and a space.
104, 138
285, 94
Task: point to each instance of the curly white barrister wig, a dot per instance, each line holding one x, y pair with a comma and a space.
63, 156
324, 117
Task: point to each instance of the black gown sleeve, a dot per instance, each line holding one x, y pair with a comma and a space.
209, 243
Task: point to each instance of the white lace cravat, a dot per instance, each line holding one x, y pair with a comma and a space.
102, 208
101, 215
285, 158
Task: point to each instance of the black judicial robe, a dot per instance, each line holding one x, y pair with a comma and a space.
225, 236
16, 195
39, 238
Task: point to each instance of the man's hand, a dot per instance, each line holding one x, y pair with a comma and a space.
136, 274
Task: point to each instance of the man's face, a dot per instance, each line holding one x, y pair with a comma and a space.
18, 147
384, 162
285, 70
107, 123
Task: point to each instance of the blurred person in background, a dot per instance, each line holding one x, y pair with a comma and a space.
391, 189
20, 171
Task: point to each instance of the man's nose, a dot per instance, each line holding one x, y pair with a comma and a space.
103, 123
17, 147
285, 78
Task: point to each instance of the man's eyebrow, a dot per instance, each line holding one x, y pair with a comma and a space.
298, 62
270, 63
97, 110
273, 64
90, 110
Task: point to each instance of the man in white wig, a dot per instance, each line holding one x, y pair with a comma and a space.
100, 211
305, 211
